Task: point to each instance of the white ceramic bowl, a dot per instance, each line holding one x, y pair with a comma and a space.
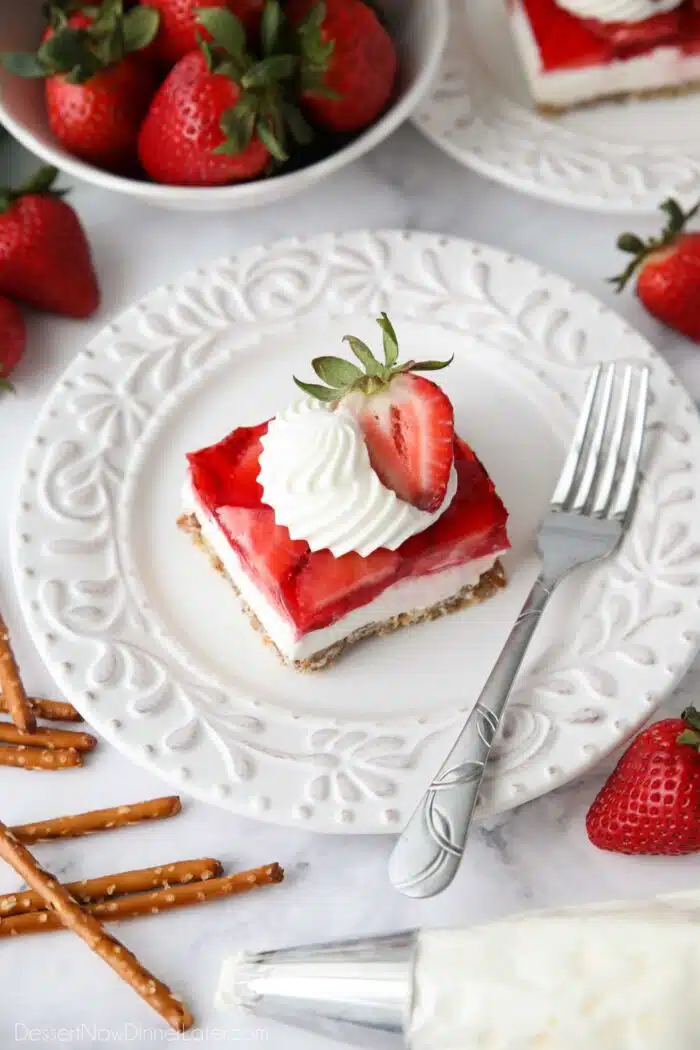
419, 28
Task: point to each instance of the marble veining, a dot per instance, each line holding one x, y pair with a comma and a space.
52, 990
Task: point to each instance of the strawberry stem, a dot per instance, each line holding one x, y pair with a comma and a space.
691, 735
343, 376
41, 182
315, 52
263, 108
631, 244
79, 53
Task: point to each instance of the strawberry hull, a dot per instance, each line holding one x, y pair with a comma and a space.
313, 590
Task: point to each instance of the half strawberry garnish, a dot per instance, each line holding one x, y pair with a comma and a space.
407, 421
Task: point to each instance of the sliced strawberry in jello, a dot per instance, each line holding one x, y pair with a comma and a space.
473, 526
407, 423
624, 36
567, 42
231, 466
266, 549
315, 589
328, 588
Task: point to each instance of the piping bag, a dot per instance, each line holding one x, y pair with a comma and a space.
617, 976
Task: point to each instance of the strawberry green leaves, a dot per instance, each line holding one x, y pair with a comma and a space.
225, 29
640, 250
105, 35
691, 735
391, 343
264, 107
336, 372
341, 376
315, 52
363, 353
42, 181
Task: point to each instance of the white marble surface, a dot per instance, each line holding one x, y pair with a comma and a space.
52, 990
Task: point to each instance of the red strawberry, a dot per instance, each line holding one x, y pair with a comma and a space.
180, 30
219, 116
473, 526
349, 62
231, 465
342, 583
44, 254
651, 801
409, 429
668, 267
630, 36
13, 337
407, 421
266, 547
97, 85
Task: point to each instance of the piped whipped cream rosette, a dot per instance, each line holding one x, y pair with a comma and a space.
366, 460
316, 475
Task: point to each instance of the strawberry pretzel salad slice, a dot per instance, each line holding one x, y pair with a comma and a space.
357, 510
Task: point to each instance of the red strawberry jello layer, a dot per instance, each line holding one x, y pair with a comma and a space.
572, 61
311, 604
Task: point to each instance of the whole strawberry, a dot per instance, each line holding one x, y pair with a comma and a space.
221, 115
44, 254
651, 801
13, 337
180, 30
98, 85
668, 269
349, 62
407, 421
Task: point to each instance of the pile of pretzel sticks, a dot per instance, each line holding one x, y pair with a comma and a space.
23, 743
83, 906
80, 906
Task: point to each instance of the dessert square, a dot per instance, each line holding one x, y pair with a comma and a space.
579, 52
350, 516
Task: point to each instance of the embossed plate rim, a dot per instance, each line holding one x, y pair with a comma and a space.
483, 129
553, 329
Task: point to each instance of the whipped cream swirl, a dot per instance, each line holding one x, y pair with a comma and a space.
316, 475
619, 10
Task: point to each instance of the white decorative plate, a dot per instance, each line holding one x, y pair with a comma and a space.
612, 157
149, 642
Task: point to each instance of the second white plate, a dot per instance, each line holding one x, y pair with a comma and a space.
614, 157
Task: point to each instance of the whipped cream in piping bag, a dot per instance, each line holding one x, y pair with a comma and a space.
619, 10
612, 976
621, 977
316, 475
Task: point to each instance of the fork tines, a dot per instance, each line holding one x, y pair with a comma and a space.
602, 468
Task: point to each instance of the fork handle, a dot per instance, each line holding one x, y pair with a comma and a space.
428, 853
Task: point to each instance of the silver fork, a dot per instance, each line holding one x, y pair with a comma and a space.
587, 517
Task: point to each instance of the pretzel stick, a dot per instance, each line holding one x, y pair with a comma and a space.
88, 891
11, 683
140, 905
89, 929
39, 757
97, 820
50, 738
51, 710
